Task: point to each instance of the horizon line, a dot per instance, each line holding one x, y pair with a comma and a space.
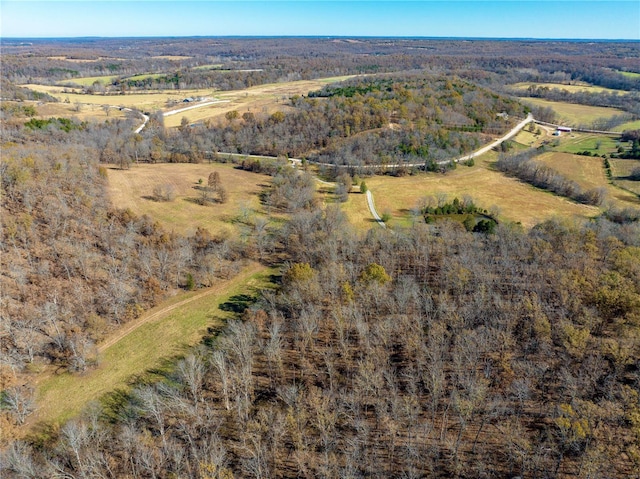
404, 37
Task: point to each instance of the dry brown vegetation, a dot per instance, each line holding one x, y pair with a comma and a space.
511, 199
425, 351
133, 189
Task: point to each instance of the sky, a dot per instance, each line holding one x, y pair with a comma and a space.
562, 19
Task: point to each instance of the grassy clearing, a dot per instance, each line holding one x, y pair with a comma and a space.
579, 142
491, 190
631, 125
144, 101
531, 140
168, 335
259, 99
68, 110
630, 74
88, 81
84, 60
620, 170
589, 173
172, 57
211, 66
133, 189
573, 114
573, 88
144, 76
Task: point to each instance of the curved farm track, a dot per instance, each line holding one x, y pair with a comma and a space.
219, 289
133, 350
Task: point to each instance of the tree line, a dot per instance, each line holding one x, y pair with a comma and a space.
523, 166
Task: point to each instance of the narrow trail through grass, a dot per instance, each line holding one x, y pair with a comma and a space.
165, 332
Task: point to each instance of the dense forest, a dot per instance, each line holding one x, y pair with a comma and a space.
438, 350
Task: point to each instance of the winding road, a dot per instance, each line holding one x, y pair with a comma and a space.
370, 202
479, 152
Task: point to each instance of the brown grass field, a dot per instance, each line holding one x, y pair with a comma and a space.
620, 170
86, 113
573, 114
514, 200
259, 99
83, 60
172, 57
133, 188
573, 88
262, 98
144, 101
87, 81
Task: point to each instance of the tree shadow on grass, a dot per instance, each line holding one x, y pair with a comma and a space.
118, 405
238, 303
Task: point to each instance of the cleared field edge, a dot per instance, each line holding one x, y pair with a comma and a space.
574, 113
133, 189
574, 87
182, 321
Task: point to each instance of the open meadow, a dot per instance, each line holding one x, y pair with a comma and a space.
263, 98
88, 81
147, 101
572, 87
576, 142
630, 125
572, 114
589, 173
259, 99
620, 171
512, 199
133, 188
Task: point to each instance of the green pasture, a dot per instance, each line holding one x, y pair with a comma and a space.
573, 114
146, 348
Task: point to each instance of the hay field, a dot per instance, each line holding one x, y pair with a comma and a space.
84, 60
630, 74
587, 171
573, 88
86, 113
259, 99
144, 76
620, 170
573, 114
172, 57
144, 101
133, 188
514, 200
88, 81
578, 142
631, 125
210, 66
